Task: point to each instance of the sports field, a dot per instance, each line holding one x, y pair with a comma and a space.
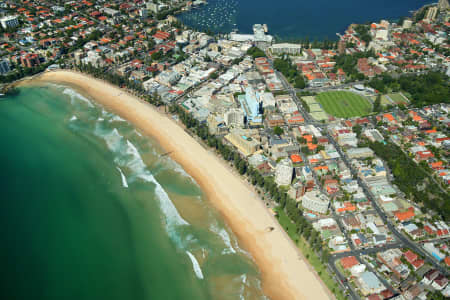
344, 104
398, 98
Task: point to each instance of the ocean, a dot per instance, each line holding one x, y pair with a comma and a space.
91, 209
294, 19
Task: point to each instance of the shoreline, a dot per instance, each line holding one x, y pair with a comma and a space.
284, 271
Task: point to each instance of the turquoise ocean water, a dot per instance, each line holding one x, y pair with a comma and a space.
291, 19
90, 210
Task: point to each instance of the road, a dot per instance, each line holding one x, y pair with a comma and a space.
402, 241
398, 235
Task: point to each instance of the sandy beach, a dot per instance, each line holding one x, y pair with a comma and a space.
285, 273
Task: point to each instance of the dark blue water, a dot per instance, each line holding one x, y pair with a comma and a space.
318, 19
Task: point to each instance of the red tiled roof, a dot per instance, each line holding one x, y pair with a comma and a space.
418, 263
410, 256
447, 261
296, 158
348, 262
406, 215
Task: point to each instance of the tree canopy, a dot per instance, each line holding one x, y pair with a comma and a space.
256, 52
425, 89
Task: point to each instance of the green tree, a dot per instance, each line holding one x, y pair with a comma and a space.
242, 167
278, 130
255, 52
377, 104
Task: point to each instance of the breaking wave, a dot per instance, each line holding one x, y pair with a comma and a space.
223, 234
179, 169
124, 179
195, 265
127, 156
116, 118
74, 95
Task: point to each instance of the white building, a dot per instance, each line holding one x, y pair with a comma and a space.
153, 7
369, 283
382, 34
110, 12
234, 117
431, 14
268, 100
286, 48
407, 23
9, 21
315, 201
259, 37
362, 152
168, 77
283, 172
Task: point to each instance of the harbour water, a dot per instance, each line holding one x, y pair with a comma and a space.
91, 210
291, 19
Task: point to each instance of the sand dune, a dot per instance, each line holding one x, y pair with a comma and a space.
285, 274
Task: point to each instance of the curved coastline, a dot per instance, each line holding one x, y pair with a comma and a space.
285, 273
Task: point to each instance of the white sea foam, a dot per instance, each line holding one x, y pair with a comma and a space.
100, 119
243, 279
138, 133
113, 139
107, 114
74, 95
124, 179
58, 86
195, 265
73, 118
133, 161
117, 118
225, 238
140, 170
179, 169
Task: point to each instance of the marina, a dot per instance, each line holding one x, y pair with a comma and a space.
293, 20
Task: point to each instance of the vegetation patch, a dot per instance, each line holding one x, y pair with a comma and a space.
425, 89
309, 253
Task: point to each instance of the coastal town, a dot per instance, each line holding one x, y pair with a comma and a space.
346, 142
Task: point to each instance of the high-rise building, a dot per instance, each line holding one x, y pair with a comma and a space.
30, 60
153, 7
315, 201
431, 13
407, 23
341, 47
9, 22
284, 172
4, 67
250, 103
143, 13
443, 5
242, 140
234, 117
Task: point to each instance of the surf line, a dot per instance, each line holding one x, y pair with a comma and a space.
124, 179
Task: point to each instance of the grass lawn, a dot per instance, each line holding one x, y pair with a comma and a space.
398, 98
310, 255
344, 104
